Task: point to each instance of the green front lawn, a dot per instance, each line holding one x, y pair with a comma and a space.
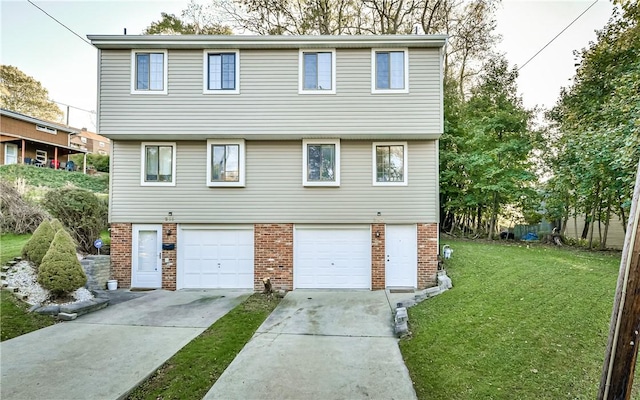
520, 323
192, 371
11, 246
15, 320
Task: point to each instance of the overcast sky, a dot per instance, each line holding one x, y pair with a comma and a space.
67, 66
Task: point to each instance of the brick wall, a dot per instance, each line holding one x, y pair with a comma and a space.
427, 254
169, 267
378, 256
273, 255
121, 254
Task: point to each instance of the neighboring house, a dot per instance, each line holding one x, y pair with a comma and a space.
312, 160
29, 140
91, 142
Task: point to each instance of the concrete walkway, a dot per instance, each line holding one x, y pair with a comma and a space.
105, 354
321, 345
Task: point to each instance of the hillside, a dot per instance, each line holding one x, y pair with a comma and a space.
54, 179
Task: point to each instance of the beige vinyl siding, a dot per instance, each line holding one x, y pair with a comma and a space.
269, 104
615, 236
274, 191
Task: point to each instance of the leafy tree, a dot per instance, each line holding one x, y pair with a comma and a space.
23, 94
595, 137
194, 20
81, 211
38, 245
60, 271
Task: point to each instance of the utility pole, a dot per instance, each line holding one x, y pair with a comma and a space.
624, 334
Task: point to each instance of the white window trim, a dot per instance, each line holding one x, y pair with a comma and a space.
305, 143
205, 72
164, 70
301, 89
375, 90
7, 146
241, 162
405, 166
143, 163
43, 128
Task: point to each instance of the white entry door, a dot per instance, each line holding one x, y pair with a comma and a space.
402, 256
10, 153
147, 256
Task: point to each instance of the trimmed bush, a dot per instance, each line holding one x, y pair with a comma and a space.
81, 212
60, 270
36, 248
56, 225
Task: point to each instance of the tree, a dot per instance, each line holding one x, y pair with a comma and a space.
23, 94
595, 137
195, 20
60, 270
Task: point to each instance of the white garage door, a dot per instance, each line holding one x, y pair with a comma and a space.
215, 258
332, 258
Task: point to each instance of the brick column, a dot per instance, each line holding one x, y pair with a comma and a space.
378, 256
427, 254
121, 254
273, 255
169, 268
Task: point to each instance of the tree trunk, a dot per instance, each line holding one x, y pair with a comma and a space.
607, 220
494, 216
593, 214
575, 225
479, 222
585, 229
624, 222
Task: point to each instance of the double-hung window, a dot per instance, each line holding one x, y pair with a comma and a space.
158, 164
389, 71
226, 163
317, 72
321, 162
221, 72
390, 164
149, 71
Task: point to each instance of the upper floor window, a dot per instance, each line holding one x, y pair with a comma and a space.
149, 71
101, 144
221, 72
321, 162
43, 128
226, 165
317, 72
83, 139
158, 164
390, 163
389, 71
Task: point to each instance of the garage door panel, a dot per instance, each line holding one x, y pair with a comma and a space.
216, 258
332, 258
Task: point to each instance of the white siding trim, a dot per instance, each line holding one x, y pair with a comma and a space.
305, 153
165, 83
143, 164
375, 90
205, 70
405, 182
301, 89
241, 162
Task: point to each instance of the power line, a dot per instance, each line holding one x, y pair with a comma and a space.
66, 27
556, 36
77, 108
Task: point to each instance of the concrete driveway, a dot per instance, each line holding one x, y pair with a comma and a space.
321, 345
104, 354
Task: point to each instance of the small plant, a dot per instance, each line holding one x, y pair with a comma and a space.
81, 212
60, 270
36, 248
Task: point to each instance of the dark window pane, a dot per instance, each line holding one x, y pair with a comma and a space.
310, 71
382, 70
142, 71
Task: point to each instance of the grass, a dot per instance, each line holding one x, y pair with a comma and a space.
15, 320
191, 372
51, 178
520, 323
11, 246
